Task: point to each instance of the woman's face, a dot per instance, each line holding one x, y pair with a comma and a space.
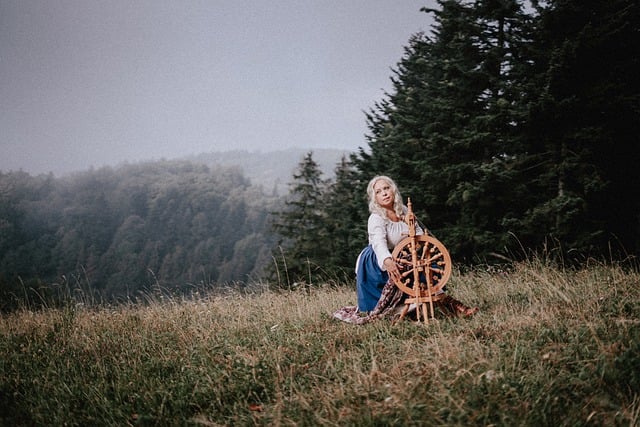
384, 194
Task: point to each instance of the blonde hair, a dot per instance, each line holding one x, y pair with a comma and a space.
374, 207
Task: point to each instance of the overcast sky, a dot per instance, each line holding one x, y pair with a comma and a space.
90, 83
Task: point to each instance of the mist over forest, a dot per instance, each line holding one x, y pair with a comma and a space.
272, 170
177, 225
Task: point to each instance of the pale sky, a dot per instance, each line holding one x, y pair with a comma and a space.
91, 83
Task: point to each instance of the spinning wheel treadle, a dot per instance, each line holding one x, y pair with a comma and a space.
425, 267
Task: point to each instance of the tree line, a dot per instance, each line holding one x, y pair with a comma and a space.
513, 129
172, 225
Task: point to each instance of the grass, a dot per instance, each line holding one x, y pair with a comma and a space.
550, 347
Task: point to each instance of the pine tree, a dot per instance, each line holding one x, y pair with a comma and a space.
488, 141
584, 126
447, 134
304, 246
346, 210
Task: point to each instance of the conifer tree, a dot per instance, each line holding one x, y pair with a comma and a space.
584, 126
507, 128
446, 133
346, 215
488, 140
304, 245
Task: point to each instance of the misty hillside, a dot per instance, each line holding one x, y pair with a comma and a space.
175, 224
272, 170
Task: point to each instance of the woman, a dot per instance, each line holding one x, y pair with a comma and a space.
375, 269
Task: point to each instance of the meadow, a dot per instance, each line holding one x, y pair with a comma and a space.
551, 346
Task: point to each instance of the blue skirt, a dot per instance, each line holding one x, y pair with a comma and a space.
370, 280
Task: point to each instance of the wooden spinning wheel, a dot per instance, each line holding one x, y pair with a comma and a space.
425, 267
432, 262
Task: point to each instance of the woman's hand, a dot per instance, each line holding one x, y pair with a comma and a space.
392, 269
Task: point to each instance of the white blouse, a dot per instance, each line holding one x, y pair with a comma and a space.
385, 234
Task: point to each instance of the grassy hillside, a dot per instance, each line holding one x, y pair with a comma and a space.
548, 348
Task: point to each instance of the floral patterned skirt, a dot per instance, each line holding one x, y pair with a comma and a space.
387, 305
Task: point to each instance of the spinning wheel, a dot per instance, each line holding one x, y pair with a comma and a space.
425, 268
432, 262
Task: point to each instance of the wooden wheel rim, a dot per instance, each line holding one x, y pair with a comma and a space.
433, 259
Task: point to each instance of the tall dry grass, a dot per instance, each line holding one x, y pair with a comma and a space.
549, 347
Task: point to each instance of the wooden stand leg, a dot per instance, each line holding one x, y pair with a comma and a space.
404, 312
424, 309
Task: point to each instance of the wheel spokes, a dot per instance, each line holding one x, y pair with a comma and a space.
432, 264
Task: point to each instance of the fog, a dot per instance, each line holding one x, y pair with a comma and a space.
93, 83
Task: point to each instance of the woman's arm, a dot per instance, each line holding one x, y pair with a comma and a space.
378, 239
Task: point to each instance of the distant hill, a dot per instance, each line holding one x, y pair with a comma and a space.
273, 170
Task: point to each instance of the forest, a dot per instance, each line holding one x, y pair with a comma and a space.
514, 130
115, 232
512, 126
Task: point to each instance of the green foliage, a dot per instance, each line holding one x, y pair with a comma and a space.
301, 224
550, 346
506, 130
346, 218
581, 125
446, 133
172, 225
